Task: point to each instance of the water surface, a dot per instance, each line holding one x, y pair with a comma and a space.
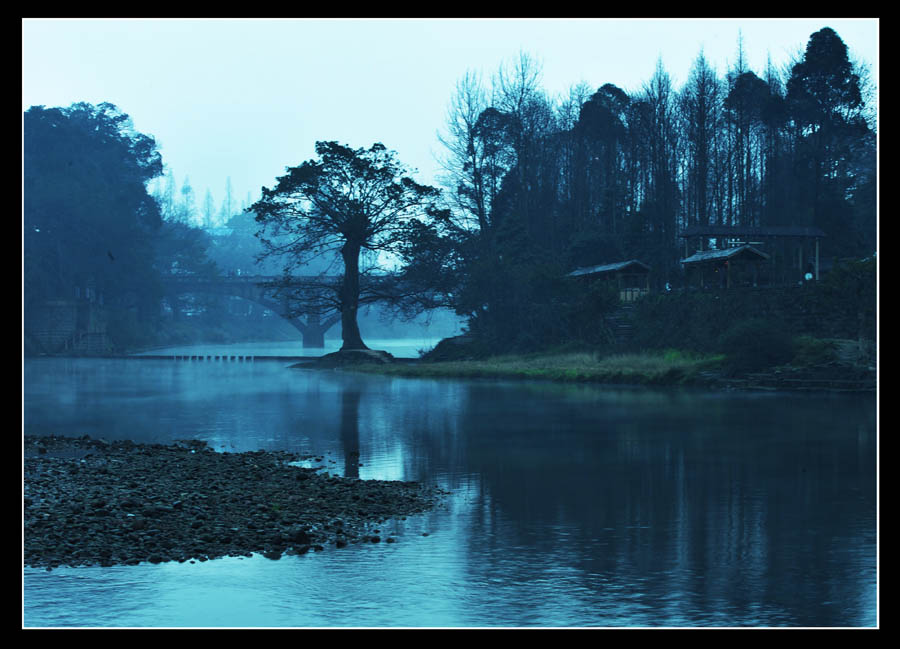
570, 505
398, 347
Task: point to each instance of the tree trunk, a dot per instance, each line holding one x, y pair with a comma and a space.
350, 431
350, 298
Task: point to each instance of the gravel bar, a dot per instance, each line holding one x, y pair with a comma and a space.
94, 502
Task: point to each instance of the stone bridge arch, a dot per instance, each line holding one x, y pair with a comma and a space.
312, 326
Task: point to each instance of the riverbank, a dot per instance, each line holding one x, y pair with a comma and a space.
670, 368
644, 369
90, 502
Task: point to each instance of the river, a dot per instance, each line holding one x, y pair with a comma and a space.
570, 505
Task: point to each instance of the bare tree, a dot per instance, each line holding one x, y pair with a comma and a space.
700, 103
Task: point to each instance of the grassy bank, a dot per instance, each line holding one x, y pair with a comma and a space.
665, 368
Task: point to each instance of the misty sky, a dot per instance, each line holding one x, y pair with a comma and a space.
244, 98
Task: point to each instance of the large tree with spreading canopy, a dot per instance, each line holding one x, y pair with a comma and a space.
353, 206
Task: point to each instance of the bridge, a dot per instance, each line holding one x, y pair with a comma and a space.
262, 290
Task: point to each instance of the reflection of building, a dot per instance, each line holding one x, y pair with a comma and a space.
632, 278
770, 255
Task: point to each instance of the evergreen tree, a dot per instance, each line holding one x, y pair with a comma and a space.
209, 211
700, 109
186, 207
228, 207
825, 102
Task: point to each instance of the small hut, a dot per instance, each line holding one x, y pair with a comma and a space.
792, 250
720, 267
632, 278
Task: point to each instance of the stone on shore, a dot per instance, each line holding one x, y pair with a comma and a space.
89, 502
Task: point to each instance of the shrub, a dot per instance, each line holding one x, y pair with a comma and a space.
813, 351
673, 355
756, 344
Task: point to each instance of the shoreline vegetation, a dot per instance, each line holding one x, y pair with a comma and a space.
658, 368
649, 369
817, 364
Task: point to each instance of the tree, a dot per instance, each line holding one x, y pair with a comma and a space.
353, 204
825, 100
745, 106
526, 124
238, 251
209, 210
600, 133
227, 209
185, 208
472, 172
539, 188
88, 217
181, 249
164, 195
824, 89
700, 106
776, 175
656, 127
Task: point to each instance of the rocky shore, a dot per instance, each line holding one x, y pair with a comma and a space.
93, 502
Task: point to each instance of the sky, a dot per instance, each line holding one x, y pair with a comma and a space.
242, 99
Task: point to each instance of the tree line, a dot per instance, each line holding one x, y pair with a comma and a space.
533, 187
91, 227
539, 187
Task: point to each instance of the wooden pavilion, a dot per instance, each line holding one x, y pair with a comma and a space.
791, 250
632, 278
720, 267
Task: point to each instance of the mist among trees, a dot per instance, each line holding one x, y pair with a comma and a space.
534, 186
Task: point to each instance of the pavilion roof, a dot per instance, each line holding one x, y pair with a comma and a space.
752, 231
633, 265
745, 252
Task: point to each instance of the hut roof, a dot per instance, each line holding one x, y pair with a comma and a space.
741, 252
751, 231
633, 265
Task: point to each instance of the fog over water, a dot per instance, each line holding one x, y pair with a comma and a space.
569, 505
398, 347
